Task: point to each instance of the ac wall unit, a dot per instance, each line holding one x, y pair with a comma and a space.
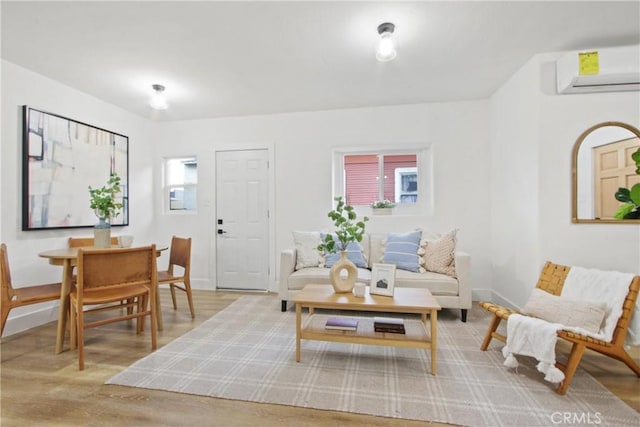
612, 69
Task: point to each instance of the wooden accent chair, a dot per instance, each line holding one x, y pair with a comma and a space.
18, 297
179, 256
105, 278
552, 280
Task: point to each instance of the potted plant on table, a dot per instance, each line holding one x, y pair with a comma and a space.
103, 202
348, 230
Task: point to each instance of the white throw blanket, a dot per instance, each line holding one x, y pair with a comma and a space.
608, 287
533, 337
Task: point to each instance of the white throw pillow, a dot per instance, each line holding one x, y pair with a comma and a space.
306, 244
439, 254
556, 309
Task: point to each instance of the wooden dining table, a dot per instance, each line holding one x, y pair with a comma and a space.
68, 259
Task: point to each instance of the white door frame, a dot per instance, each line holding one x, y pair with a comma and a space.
270, 147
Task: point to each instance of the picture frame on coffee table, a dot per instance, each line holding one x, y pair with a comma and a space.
382, 279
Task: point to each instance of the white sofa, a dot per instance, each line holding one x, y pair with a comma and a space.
450, 292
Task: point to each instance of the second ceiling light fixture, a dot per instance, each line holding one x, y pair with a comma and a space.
386, 49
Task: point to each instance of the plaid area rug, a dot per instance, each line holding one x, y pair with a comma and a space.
247, 352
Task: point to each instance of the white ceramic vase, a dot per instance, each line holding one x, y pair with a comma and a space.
340, 283
102, 234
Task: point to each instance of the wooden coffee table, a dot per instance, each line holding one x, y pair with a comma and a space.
404, 300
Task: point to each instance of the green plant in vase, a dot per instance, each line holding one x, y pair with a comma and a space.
630, 198
347, 229
103, 202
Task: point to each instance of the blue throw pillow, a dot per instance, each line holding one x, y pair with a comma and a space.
401, 249
354, 253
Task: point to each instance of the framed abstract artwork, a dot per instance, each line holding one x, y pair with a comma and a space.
61, 158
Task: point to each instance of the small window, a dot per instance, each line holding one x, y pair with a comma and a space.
371, 177
402, 176
406, 185
181, 179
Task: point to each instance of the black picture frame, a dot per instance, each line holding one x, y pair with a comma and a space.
61, 158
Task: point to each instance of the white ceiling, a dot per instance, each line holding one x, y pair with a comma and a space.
242, 58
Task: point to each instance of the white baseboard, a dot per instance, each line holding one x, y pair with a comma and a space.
17, 323
481, 294
493, 296
22, 322
208, 285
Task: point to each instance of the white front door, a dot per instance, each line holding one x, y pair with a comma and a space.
242, 219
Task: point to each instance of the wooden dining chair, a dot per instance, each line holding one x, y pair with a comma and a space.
105, 278
18, 297
179, 256
80, 242
77, 242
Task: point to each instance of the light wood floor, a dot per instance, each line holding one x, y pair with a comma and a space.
40, 388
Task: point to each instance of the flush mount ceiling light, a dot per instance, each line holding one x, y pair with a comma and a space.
157, 101
386, 49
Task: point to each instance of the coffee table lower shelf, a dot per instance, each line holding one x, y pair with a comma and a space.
416, 336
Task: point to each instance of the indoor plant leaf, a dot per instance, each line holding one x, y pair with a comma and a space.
634, 214
636, 158
347, 228
635, 194
623, 195
624, 210
103, 199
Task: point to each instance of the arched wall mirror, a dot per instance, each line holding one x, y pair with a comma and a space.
602, 163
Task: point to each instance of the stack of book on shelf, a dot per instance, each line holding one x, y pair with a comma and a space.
388, 324
341, 323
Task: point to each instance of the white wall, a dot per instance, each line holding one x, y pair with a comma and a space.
23, 87
303, 144
501, 169
564, 118
514, 185
533, 131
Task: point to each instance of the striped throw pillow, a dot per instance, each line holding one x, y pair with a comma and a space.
401, 249
354, 253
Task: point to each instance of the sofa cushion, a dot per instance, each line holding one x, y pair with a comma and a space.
376, 248
365, 244
354, 253
401, 249
439, 254
306, 244
298, 279
438, 284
